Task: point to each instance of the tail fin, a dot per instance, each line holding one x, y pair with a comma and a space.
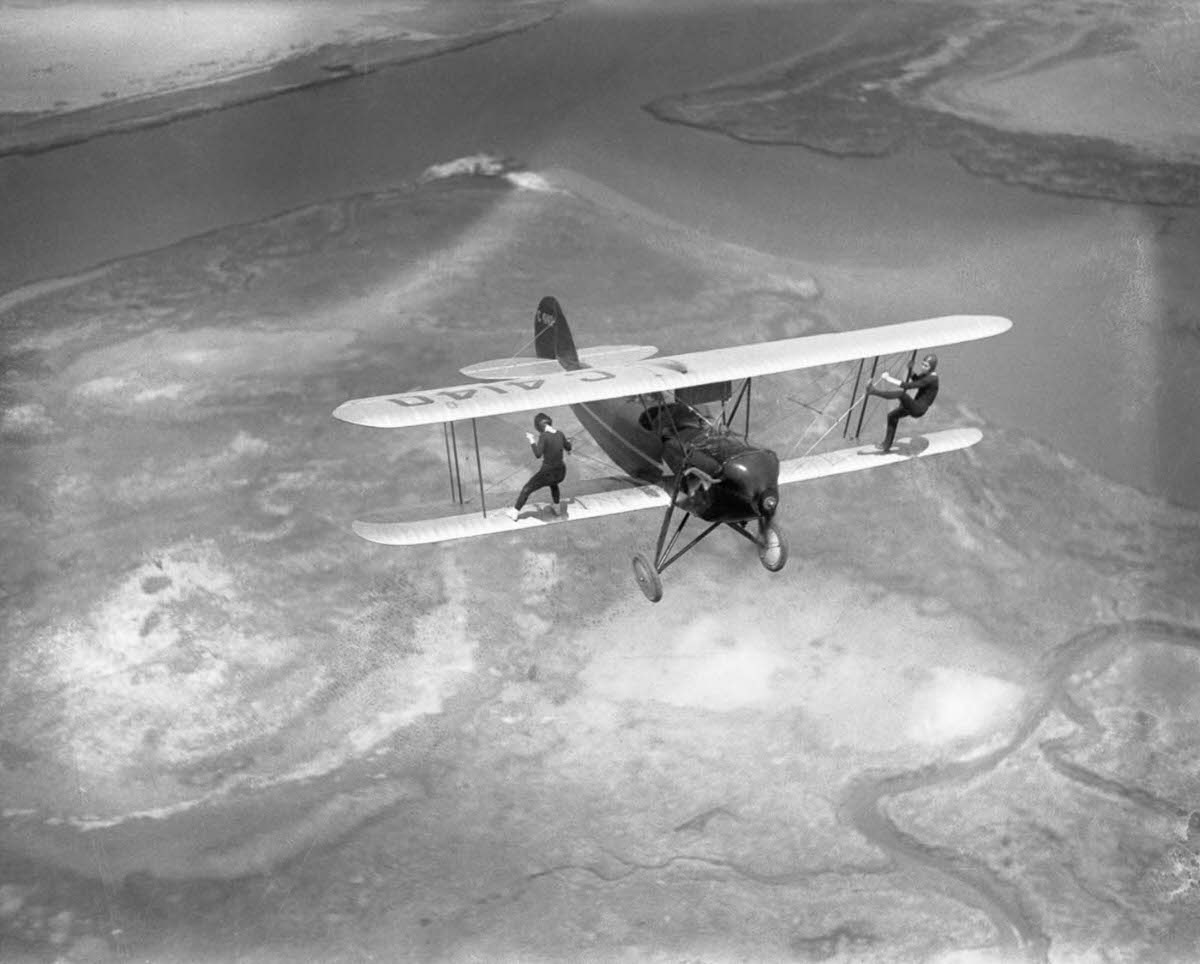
552, 335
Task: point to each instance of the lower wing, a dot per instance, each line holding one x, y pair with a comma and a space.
584, 500
600, 497
860, 457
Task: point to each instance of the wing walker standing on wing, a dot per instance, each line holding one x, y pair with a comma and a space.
548, 445
924, 379
652, 417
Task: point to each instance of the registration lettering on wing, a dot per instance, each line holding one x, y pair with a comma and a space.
450, 397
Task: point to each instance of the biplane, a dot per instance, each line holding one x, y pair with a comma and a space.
656, 419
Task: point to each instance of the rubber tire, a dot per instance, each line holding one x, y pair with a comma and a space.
774, 557
647, 578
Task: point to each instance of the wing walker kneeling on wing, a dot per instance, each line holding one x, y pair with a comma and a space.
651, 416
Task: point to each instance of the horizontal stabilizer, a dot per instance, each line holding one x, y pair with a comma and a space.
859, 457
601, 356
588, 500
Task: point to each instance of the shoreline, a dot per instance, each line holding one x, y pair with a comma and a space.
890, 83
864, 94
28, 133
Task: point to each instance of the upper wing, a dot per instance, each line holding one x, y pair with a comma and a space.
662, 374
600, 497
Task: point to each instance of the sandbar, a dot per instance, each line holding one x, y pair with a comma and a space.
70, 71
1081, 99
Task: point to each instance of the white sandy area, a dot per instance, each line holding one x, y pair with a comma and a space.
74, 55
870, 672
1148, 97
169, 672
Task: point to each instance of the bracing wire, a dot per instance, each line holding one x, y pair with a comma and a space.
495, 484
892, 362
519, 351
591, 458
823, 400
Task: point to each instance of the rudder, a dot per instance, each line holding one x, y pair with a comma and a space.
552, 339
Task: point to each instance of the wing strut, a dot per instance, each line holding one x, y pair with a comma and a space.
728, 417
853, 397
863, 411
456, 493
450, 437
479, 468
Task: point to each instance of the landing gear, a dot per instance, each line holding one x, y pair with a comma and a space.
772, 547
648, 572
647, 578
767, 537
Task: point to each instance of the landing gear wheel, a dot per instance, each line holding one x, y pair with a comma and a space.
773, 552
647, 578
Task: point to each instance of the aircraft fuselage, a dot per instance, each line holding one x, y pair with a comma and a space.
722, 477
719, 476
